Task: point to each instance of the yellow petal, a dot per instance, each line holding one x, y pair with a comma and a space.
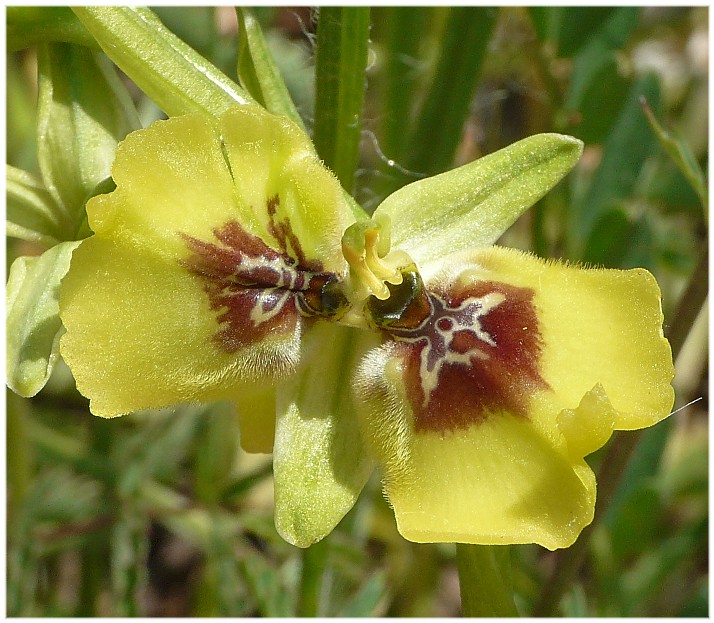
497, 481
198, 268
482, 411
597, 326
271, 157
256, 417
141, 334
171, 177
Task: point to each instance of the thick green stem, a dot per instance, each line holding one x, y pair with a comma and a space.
341, 59
314, 562
485, 580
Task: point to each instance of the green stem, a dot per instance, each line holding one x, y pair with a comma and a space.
314, 562
485, 580
341, 59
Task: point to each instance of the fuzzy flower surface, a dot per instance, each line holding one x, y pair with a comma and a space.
228, 264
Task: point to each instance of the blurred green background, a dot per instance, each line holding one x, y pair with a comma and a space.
161, 513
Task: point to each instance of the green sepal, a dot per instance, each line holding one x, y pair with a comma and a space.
83, 112
320, 462
258, 72
32, 214
176, 77
473, 205
33, 323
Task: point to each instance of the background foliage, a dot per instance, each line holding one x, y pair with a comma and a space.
161, 513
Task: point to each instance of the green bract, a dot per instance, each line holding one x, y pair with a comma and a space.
227, 264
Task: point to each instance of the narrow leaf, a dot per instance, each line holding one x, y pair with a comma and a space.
369, 597
405, 28
342, 37
264, 584
440, 122
681, 154
627, 147
599, 52
171, 73
33, 323
83, 112
258, 72
32, 214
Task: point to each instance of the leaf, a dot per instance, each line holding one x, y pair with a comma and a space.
369, 597
406, 28
441, 119
83, 112
264, 584
33, 323
171, 73
616, 241
681, 154
32, 214
599, 52
629, 144
342, 36
258, 72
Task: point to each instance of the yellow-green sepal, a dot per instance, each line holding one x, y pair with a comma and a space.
320, 462
471, 206
83, 112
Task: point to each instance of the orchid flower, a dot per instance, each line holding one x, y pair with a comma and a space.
228, 264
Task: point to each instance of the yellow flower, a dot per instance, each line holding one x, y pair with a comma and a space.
479, 377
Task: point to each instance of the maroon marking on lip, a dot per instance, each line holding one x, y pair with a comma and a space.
252, 287
502, 374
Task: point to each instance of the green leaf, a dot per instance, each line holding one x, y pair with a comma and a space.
172, 74
369, 597
319, 461
32, 322
83, 112
264, 584
28, 26
440, 122
473, 205
258, 72
629, 144
598, 53
342, 37
405, 29
32, 214
568, 27
617, 241
597, 108
681, 154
